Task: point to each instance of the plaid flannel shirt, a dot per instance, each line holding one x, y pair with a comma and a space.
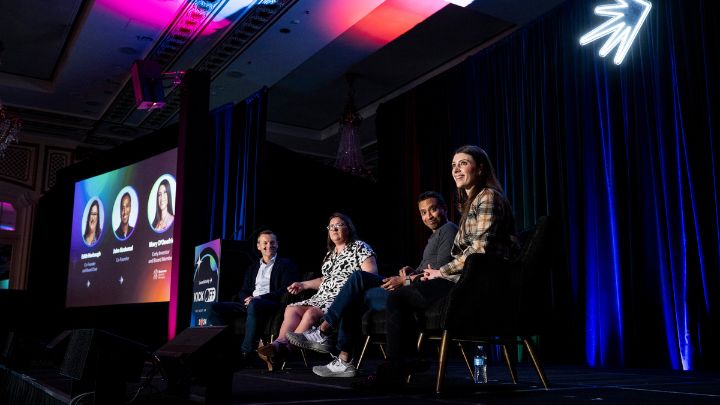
489, 228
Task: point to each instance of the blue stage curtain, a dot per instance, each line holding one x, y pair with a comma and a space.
239, 135
624, 156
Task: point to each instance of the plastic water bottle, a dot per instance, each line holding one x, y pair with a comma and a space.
480, 366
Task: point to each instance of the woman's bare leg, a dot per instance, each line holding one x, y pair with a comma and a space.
293, 317
309, 319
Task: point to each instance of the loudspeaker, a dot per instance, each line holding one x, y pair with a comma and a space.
200, 353
102, 362
147, 85
194, 343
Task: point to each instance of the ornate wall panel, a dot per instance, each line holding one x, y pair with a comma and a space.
55, 159
19, 165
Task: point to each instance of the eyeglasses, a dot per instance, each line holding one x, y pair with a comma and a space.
335, 226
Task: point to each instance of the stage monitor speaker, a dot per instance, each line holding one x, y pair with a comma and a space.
194, 342
147, 85
102, 362
201, 353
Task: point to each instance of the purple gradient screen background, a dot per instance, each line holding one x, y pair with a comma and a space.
113, 270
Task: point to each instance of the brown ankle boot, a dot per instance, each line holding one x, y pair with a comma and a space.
266, 353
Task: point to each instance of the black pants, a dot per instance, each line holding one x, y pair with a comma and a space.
402, 304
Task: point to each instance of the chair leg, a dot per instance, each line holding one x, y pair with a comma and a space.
421, 335
302, 352
465, 357
362, 353
419, 346
511, 364
536, 363
382, 350
442, 365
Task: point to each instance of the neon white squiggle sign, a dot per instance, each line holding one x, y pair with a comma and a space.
623, 25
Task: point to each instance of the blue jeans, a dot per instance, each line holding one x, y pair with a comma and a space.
257, 313
376, 298
345, 313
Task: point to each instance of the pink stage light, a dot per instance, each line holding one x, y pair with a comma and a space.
153, 14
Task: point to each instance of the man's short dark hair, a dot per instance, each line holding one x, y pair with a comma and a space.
432, 194
266, 232
127, 194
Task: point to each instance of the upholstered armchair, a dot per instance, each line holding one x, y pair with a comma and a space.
497, 302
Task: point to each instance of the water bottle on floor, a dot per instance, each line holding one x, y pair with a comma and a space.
480, 366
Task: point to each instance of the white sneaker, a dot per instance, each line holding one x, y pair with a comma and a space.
336, 368
311, 339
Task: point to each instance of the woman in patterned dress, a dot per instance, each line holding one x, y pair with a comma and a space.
346, 254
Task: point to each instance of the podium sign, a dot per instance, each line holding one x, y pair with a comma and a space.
206, 281
237, 255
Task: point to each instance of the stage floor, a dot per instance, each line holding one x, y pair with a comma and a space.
298, 384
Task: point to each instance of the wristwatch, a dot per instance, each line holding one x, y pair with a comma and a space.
407, 281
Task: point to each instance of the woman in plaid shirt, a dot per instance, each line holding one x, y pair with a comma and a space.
486, 226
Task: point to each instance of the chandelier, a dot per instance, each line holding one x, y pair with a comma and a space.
349, 155
9, 128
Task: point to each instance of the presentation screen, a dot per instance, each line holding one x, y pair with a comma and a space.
121, 238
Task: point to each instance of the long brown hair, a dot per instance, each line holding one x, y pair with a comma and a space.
487, 177
96, 234
158, 214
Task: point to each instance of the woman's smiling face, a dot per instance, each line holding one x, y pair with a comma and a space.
465, 171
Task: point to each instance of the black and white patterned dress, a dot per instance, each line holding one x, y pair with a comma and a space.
336, 269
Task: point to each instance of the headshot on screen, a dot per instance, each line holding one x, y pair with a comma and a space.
125, 213
161, 202
93, 217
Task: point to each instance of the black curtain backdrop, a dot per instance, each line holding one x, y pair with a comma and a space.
233, 174
623, 157
254, 185
297, 197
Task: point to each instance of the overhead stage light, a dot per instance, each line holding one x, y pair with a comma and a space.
461, 3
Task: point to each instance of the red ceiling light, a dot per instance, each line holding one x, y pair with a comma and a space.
392, 19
